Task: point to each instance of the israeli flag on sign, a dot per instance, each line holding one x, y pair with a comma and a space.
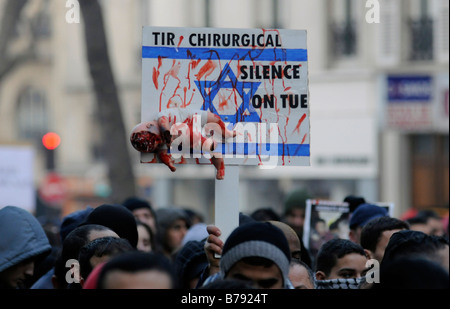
255, 80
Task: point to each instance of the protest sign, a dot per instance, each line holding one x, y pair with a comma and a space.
16, 176
324, 220
255, 80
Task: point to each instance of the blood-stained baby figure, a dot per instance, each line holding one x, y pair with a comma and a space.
156, 136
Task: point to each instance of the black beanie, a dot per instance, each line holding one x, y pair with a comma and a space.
256, 239
133, 203
117, 218
354, 201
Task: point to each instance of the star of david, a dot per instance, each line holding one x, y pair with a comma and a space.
246, 112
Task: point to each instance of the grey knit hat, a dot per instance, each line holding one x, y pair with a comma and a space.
256, 239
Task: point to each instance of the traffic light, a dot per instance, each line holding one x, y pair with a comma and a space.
50, 141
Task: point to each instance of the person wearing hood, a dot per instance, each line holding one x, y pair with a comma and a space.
172, 226
23, 243
189, 264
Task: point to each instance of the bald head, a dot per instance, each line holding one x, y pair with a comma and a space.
291, 236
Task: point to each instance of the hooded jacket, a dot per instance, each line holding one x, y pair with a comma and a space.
165, 217
21, 237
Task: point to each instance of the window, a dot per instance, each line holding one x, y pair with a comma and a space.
420, 27
343, 29
32, 114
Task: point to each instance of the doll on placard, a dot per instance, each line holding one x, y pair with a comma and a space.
155, 136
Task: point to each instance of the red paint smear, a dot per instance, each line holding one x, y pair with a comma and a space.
194, 137
297, 128
190, 100
174, 70
195, 63
206, 70
277, 110
181, 40
223, 101
156, 72
184, 101
239, 65
304, 137
155, 77
192, 64
249, 137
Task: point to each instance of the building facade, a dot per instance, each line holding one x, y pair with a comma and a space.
378, 82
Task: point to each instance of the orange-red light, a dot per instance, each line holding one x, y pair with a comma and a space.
51, 140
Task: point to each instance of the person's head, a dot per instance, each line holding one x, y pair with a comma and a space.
137, 270
412, 273
427, 221
146, 137
194, 216
295, 208
71, 246
301, 275
320, 226
376, 233
243, 218
257, 252
146, 238
361, 216
340, 259
265, 214
142, 210
73, 220
98, 251
172, 225
408, 243
292, 238
340, 227
190, 261
296, 245
117, 218
354, 201
23, 242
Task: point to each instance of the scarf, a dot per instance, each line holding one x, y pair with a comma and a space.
352, 283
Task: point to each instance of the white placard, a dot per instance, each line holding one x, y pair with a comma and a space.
255, 80
16, 177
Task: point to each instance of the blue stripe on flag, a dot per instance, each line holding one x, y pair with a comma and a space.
265, 54
290, 150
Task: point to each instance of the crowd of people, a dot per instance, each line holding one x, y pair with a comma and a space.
134, 246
